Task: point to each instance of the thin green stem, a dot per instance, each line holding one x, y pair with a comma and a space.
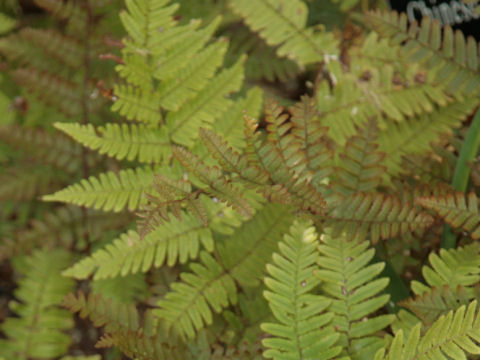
462, 172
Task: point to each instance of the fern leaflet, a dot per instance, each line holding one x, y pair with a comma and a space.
351, 282
304, 329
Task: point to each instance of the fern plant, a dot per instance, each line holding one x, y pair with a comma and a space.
288, 182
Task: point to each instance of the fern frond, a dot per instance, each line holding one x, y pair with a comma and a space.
71, 12
304, 329
51, 89
206, 106
182, 48
285, 186
454, 58
217, 184
315, 145
231, 125
130, 142
145, 346
456, 211
262, 61
246, 251
143, 20
137, 104
130, 289
360, 166
108, 191
64, 49
188, 307
416, 135
388, 91
169, 196
172, 241
274, 22
25, 182
114, 316
376, 216
452, 267
56, 150
231, 160
66, 225
245, 351
352, 283
452, 336
180, 86
437, 302
36, 332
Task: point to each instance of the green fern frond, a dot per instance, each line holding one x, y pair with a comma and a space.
143, 20
352, 283
246, 251
274, 22
456, 211
128, 290
376, 216
452, 268
437, 302
37, 331
172, 241
137, 104
416, 135
303, 329
207, 106
188, 307
130, 142
103, 313
178, 87
455, 59
360, 164
231, 125
389, 91
182, 50
452, 336
108, 191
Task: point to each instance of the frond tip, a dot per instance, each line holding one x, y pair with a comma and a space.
451, 336
303, 329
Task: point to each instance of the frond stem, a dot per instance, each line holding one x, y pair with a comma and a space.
468, 152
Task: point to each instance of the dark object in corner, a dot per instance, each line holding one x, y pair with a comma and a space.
456, 13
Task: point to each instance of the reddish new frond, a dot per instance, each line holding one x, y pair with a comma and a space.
456, 211
376, 216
